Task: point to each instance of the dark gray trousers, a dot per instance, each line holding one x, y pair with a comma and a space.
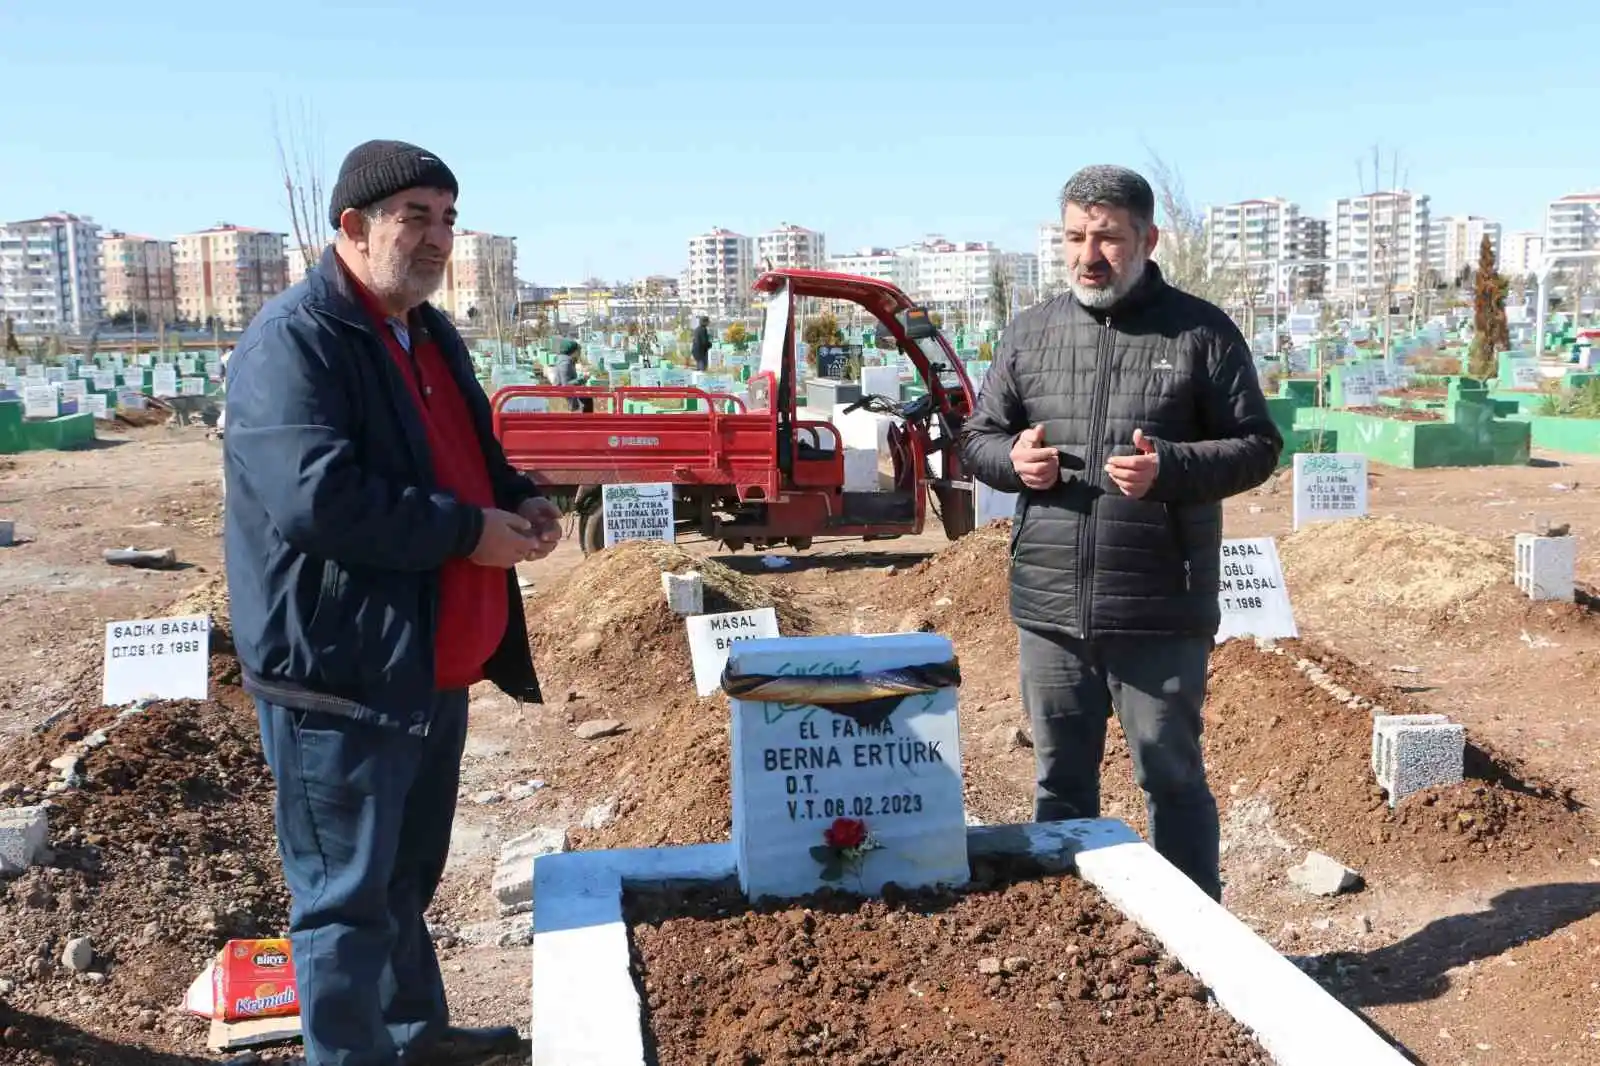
1156, 685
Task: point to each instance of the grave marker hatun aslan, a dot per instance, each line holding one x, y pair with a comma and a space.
858, 794
637, 512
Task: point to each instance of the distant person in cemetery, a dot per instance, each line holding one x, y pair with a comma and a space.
373, 526
1122, 413
567, 371
700, 346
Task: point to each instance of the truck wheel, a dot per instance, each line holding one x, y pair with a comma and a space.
800, 544
592, 531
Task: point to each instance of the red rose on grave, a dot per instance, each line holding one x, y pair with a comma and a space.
845, 833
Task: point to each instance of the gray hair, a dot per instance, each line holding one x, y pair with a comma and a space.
1112, 186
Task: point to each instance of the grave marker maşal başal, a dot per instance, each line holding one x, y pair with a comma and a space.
856, 794
712, 636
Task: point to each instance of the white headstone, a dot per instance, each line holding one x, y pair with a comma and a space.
164, 381
55, 375
105, 380
991, 505
192, 387
34, 372
798, 770
1524, 373
880, 381
73, 391
131, 377
40, 401
1329, 487
162, 659
711, 635
1251, 592
96, 405
1359, 390
637, 512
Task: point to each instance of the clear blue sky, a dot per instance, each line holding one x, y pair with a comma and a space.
603, 135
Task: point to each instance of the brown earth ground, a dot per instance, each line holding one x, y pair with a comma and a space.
1476, 938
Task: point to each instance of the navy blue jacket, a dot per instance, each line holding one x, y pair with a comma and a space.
335, 530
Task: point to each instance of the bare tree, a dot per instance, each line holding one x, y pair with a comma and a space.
1183, 252
299, 144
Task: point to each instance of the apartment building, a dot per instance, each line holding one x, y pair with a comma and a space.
137, 277
881, 264
952, 276
50, 274
1572, 224
1052, 258
1380, 243
790, 247
1521, 252
226, 273
1252, 234
1454, 242
720, 273
480, 280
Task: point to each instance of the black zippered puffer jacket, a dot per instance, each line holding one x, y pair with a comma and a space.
1085, 559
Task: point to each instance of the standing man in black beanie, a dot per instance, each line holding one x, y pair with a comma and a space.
372, 530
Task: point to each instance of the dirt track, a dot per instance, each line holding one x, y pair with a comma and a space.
1479, 924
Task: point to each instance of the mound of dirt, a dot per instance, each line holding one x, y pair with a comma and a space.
1386, 568
671, 779
606, 626
1034, 971
210, 597
163, 851
1272, 733
963, 593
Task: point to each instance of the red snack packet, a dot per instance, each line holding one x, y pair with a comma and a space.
255, 979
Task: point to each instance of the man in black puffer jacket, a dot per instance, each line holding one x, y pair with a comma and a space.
1123, 413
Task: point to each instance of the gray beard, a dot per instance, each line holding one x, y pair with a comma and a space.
394, 278
1102, 298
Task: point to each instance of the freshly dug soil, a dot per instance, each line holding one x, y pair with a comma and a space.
962, 593
606, 625
672, 780
1271, 732
1029, 972
1398, 414
164, 852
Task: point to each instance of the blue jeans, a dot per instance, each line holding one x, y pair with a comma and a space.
364, 815
1156, 685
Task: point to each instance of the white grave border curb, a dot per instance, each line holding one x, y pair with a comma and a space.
586, 1009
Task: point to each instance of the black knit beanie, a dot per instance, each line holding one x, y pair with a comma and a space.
379, 169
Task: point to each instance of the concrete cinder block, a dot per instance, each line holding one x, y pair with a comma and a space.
1546, 567
24, 833
1380, 724
685, 593
513, 874
1415, 756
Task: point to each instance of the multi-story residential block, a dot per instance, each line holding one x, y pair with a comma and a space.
1272, 240
720, 273
1572, 224
1454, 242
225, 274
1380, 244
137, 277
1052, 260
789, 247
480, 281
1522, 251
881, 264
50, 274
952, 277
